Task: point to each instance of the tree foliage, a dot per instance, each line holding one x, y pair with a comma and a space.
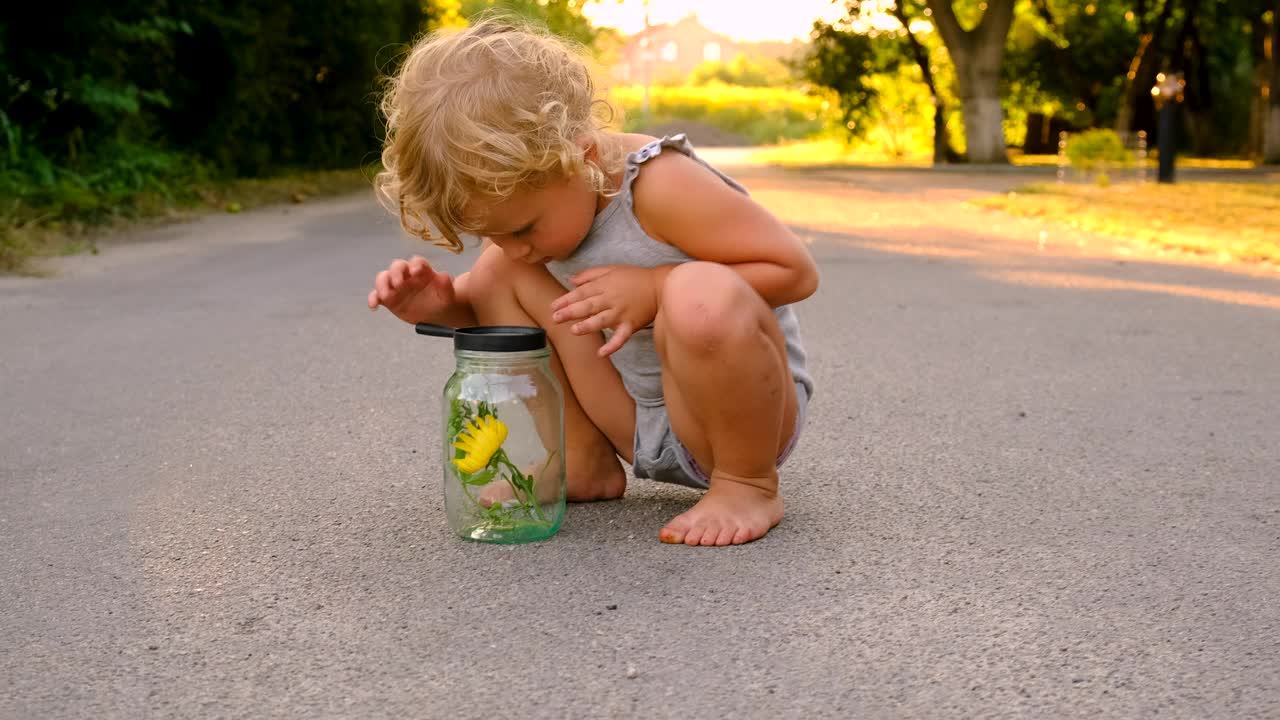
1095, 63
844, 60
562, 17
1082, 63
243, 87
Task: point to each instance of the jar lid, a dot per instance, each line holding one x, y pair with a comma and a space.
490, 338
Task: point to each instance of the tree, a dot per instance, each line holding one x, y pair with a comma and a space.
845, 57
1079, 57
1095, 63
562, 17
1271, 132
844, 61
977, 54
942, 152
249, 87
1144, 67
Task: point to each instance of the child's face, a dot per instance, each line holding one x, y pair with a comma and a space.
542, 223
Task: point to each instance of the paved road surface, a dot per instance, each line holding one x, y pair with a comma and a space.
1041, 479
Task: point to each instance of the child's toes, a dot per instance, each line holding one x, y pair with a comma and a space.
675, 531
726, 536
694, 537
710, 535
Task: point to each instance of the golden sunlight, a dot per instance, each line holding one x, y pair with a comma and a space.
749, 20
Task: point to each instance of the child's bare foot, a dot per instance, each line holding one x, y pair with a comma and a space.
595, 476
591, 477
734, 511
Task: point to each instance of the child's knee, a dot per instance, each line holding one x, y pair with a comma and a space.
705, 305
494, 275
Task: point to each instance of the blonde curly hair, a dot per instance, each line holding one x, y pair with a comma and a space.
481, 112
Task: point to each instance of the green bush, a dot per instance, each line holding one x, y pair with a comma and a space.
743, 71
1097, 148
130, 107
250, 86
761, 115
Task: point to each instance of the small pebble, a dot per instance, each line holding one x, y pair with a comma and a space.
631, 672
610, 607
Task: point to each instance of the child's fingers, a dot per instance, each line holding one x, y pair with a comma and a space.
419, 268
567, 299
577, 311
396, 273
576, 304
590, 274
382, 285
621, 334
373, 300
595, 323
441, 281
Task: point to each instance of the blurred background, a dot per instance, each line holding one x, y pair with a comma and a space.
150, 108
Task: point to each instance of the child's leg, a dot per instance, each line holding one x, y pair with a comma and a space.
730, 397
505, 292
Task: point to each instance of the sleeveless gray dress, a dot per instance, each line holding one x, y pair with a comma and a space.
616, 238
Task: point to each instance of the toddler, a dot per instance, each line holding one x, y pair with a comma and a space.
665, 291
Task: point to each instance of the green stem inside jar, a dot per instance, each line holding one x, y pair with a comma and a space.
504, 515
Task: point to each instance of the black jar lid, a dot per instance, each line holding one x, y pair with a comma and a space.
489, 338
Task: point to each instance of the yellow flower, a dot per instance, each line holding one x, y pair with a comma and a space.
479, 439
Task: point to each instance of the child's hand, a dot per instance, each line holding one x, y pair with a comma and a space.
620, 297
414, 292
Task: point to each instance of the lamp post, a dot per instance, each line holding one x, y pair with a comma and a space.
1167, 93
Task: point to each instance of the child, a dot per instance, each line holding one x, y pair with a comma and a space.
663, 288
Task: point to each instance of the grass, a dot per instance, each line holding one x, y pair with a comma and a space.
759, 115
1236, 221
835, 152
1018, 158
30, 232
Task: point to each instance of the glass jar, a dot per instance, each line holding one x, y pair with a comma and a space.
503, 435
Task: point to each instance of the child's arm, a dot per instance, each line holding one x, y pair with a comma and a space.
683, 204
414, 292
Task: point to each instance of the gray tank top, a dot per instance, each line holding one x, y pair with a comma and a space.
616, 238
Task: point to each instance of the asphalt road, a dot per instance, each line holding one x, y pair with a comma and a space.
1041, 478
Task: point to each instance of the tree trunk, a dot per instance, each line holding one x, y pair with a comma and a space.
1190, 59
1271, 136
1143, 70
1271, 128
984, 122
942, 152
977, 55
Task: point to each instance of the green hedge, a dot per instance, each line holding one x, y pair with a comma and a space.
106, 102
762, 115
